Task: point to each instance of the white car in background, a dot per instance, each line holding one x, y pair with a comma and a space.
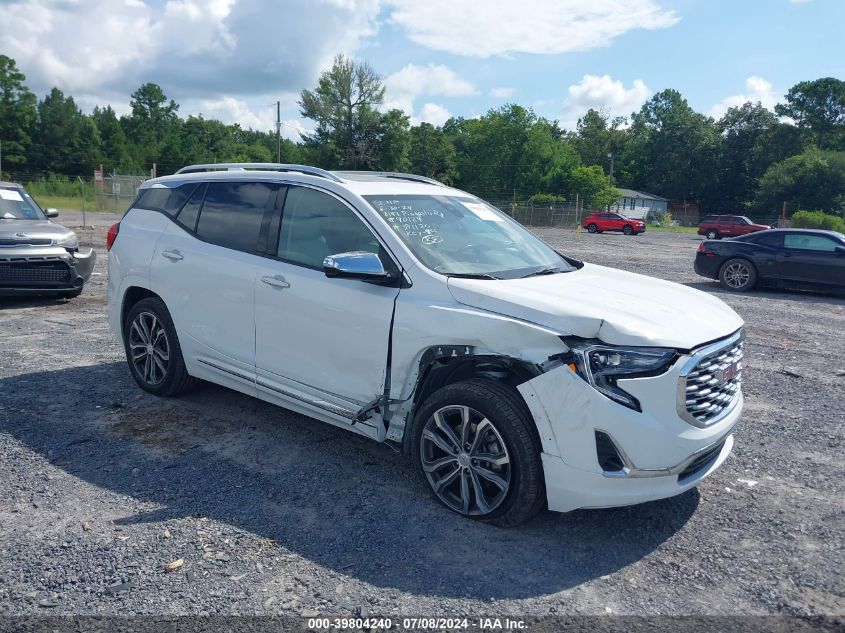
414, 313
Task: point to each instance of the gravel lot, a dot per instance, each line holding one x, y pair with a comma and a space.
102, 485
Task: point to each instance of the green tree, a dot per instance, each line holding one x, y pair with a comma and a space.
594, 187
65, 140
393, 141
673, 150
812, 180
344, 108
115, 147
154, 120
753, 140
818, 108
17, 114
431, 153
597, 137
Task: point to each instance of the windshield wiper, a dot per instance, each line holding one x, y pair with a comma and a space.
552, 270
471, 275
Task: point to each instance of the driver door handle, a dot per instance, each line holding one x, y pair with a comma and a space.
277, 281
173, 256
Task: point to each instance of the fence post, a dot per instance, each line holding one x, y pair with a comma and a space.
82, 193
577, 217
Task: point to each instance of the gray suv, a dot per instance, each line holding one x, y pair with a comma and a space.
38, 256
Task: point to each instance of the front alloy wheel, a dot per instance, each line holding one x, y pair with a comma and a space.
712, 235
592, 228
149, 349
465, 460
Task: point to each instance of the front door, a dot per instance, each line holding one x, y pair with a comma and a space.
320, 340
811, 258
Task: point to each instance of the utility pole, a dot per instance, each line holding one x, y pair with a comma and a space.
1, 157
610, 156
278, 131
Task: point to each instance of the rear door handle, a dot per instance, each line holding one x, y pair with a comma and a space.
173, 256
277, 281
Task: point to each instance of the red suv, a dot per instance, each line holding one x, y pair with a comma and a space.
716, 227
599, 222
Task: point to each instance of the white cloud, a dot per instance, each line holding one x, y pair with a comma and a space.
502, 27
756, 89
502, 93
404, 86
257, 114
432, 113
603, 93
192, 48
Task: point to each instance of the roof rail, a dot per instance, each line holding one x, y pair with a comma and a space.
303, 169
399, 176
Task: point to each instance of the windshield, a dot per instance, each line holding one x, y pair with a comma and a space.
15, 204
464, 236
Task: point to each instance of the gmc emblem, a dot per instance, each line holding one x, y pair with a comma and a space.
727, 374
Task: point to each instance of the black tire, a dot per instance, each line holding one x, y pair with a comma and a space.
592, 228
628, 229
175, 378
511, 424
712, 234
738, 275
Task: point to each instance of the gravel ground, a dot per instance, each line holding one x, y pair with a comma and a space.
102, 485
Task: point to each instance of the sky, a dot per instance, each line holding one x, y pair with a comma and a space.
233, 59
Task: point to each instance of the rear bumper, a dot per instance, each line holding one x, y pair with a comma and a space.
707, 266
44, 270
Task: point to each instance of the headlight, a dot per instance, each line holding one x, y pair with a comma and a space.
602, 365
70, 242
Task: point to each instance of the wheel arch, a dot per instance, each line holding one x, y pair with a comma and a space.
441, 366
131, 296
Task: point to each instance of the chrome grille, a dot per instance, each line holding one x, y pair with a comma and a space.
712, 385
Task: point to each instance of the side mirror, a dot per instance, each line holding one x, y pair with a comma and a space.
357, 265
52, 213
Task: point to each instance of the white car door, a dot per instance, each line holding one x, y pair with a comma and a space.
321, 341
204, 268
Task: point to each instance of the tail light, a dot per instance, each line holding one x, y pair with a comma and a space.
111, 236
701, 248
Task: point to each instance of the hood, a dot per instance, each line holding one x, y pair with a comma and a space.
33, 229
615, 306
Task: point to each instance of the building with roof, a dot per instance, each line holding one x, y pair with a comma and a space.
639, 204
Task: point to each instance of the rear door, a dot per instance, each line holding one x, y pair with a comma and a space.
204, 268
811, 258
319, 340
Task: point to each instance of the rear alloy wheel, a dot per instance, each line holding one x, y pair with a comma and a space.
628, 229
475, 447
592, 228
712, 235
738, 275
152, 349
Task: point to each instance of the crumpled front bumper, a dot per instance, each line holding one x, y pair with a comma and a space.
44, 270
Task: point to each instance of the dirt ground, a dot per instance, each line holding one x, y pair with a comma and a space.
102, 485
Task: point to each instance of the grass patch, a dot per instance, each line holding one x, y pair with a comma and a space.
74, 203
672, 229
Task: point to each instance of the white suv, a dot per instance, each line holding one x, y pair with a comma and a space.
413, 313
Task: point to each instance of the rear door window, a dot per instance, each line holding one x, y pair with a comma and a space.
167, 200
187, 217
232, 214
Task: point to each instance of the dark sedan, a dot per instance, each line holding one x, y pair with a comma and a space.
777, 257
38, 256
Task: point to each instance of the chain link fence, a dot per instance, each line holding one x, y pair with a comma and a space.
116, 191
